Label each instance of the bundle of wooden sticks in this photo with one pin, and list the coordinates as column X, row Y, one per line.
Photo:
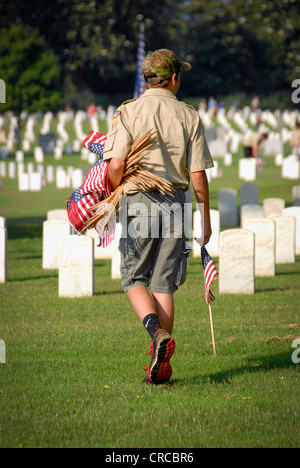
column 134, row 173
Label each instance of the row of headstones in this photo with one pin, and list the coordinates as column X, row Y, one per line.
column 290, row 167
column 272, row 240
column 254, row 251
column 73, row 256
column 228, row 206
column 243, row 253
column 35, row 178
column 287, row 240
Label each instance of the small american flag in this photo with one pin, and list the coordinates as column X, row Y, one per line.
column 210, row 272
column 78, row 205
column 95, row 188
column 95, row 142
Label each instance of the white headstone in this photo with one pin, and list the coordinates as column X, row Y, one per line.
column 30, row 168
column 19, row 156
column 295, row 211
column 11, row 170
column 84, row 154
column 3, row 255
column 58, row 152
column 23, row 182
column 285, row 229
column 92, row 158
column 264, row 230
column 76, row 146
column 227, row 205
column 215, row 170
column 2, row 352
column 105, row 252
column 236, row 262
column 61, row 179
column 3, row 171
column 40, row 168
column 290, row 168
column 115, row 265
column 77, row 178
column 296, row 195
column 2, row 222
column 54, row 232
column 235, row 142
column 50, row 174
column 38, row 154
column 20, row 169
column 250, row 212
column 273, row 206
column 59, row 214
column 278, row 159
column 247, row 169
column 35, row 182
column 26, row 145
column 213, row 244
column 76, row 267
column 249, row 194
column 218, row 148
column 228, row 159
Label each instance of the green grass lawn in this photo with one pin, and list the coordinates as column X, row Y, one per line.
column 74, row 367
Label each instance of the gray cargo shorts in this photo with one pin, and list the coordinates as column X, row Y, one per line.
column 153, row 242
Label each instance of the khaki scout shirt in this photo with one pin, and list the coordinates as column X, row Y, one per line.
column 251, row 140
column 295, row 137
column 180, row 146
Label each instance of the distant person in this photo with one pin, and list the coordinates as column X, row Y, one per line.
column 222, row 106
column 255, row 103
column 202, row 106
column 252, row 144
column 91, row 110
column 212, row 106
column 295, row 140
column 2, row 136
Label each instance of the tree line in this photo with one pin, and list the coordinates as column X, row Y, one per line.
column 58, row 51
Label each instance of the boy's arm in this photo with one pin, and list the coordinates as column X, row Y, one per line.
column 201, row 189
column 115, row 172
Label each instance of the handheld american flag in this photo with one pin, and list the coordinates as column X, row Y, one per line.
column 210, row 272
column 95, row 188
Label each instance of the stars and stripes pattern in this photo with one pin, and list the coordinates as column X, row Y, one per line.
column 210, row 272
column 78, row 208
column 139, row 79
column 95, row 188
column 95, row 142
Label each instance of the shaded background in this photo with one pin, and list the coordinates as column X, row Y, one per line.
column 55, row 53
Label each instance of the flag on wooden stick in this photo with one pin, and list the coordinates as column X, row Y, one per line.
column 210, row 272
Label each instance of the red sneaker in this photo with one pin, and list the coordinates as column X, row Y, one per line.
column 161, row 350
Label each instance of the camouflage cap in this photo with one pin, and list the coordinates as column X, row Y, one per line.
column 162, row 64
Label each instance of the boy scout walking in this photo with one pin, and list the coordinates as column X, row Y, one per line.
column 153, row 266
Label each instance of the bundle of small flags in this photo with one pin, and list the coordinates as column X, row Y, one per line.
column 95, row 188
column 210, row 272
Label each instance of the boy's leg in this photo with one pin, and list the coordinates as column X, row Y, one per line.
column 162, row 346
column 143, row 305
column 141, row 301
column 164, row 305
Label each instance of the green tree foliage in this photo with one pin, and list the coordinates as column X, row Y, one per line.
column 234, row 46
column 30, row 71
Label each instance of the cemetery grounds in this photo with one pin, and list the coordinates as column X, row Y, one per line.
column 74, row 367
